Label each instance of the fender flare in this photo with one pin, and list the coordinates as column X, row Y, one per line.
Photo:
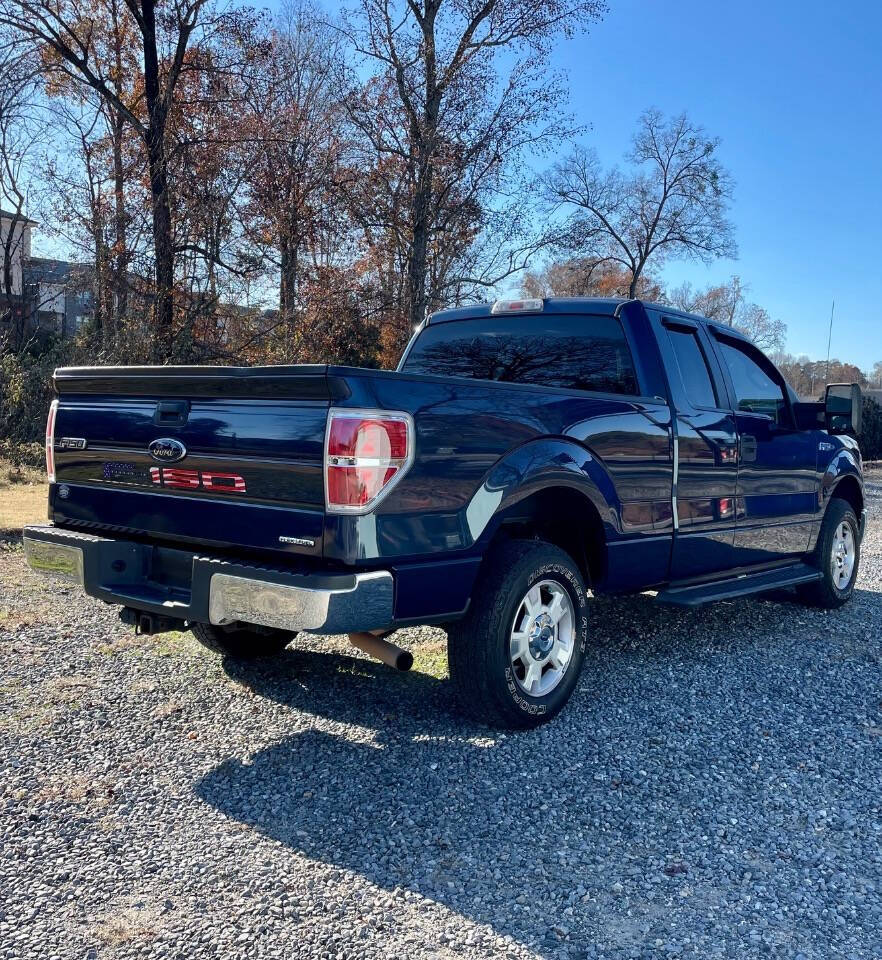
column 844, row 464
column 539, row 465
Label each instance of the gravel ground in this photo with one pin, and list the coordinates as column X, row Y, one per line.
column 713, row 790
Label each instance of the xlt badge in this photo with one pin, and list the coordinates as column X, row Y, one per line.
column 300, row 541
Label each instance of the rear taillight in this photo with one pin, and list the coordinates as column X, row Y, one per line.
column 366, row 453
column 50, row 441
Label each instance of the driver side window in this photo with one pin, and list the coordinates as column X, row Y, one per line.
column 755, row 390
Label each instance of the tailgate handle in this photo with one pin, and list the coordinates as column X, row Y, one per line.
column 171, row 413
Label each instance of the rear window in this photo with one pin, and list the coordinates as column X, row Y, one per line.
column 575, row 352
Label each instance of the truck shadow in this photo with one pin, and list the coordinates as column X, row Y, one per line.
column 534, row 834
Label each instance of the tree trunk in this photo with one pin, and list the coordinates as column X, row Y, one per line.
column 120, row 260
column 120, row 267
column 162, row 249
column 286, row 278
column 162, row 222
column 13, row 309
column 290, row 241
column 423, row 142
column 418, row 261
column 101, row 292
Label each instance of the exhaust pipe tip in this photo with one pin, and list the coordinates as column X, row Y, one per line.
column 379, row 648
column 404, row 660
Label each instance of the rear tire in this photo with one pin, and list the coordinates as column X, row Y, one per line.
column 241, row 643
column 515, row 657
column 837, row 555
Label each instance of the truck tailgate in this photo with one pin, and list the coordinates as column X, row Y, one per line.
column 220, row 457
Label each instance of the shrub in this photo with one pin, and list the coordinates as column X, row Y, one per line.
column 871, row 430
column 26, row 391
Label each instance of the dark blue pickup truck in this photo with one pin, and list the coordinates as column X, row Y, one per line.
column 523, row 456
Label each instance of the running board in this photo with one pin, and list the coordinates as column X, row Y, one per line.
column 697, row 594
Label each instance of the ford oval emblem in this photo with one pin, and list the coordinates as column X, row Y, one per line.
column 167, row 450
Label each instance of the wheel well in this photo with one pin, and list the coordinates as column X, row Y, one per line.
column 849, row 489
column 562, row 516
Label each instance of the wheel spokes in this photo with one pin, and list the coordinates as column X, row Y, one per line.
column 533, row 601
column 559, row 656
column 556, row 608
column 520, row 646
column 541, row 638
column 533, row 676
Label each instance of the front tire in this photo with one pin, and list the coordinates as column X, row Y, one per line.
column 515, row 657
column 240, row 642
column 837, row 555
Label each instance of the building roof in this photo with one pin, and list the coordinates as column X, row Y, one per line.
column 10, row 215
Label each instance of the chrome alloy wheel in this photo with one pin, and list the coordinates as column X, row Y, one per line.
column 542, row 638
column 842, row 555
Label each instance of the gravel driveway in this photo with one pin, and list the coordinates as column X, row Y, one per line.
column 713, row 790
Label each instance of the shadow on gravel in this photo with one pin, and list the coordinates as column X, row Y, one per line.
column 684, row 780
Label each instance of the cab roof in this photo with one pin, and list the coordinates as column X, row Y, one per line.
column 564, row 305
column 601, row 305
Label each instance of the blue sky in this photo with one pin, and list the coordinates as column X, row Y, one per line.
column 794, row 89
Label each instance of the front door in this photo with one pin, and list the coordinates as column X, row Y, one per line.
column 777, row 496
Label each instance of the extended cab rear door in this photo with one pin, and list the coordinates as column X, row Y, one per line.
column 705, row 442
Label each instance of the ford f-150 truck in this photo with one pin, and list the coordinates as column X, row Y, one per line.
column 524, row 456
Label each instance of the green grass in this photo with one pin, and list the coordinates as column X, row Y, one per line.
column 431, row 659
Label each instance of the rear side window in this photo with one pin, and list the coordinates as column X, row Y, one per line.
column 575, row 352
column 755, row 390
column 693, row 368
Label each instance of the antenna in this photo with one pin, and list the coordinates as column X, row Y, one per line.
column 829, row 338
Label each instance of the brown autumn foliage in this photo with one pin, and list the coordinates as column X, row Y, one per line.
column 243, row 187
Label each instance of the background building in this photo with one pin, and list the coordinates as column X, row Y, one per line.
column 42, row 295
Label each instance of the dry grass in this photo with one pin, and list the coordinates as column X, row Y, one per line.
column 23, row 496
column 124, row 925
column 431, row 658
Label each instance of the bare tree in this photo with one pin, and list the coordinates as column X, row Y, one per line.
column 587, row 277
column 292, row 128
column 65, row 29
column 728, row 303
column 447, row 127
column 20, row 135
column 673, row 204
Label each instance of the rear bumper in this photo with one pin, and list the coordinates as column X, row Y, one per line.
column 181, row 585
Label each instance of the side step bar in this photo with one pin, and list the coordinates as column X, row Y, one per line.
column 695, row 595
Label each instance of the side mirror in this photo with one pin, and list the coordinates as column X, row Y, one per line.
column 842, row 408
